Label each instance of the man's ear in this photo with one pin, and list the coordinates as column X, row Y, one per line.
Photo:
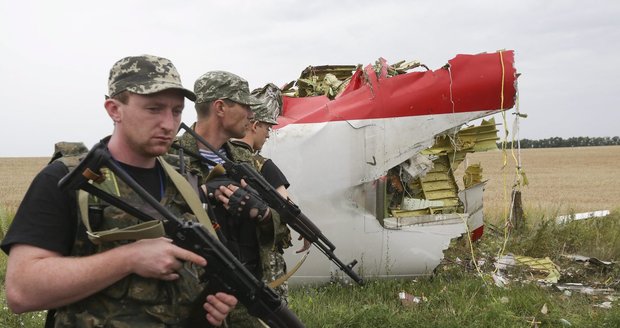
column 218, row 107
column 112, row 106
column 254, row 126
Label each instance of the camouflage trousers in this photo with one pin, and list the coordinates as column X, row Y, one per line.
column 276, row 269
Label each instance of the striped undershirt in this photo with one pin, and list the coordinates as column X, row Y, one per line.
column 212, row 156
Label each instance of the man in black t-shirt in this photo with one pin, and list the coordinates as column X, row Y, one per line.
column 257, row 133
column 51, row 264
column 265, row 117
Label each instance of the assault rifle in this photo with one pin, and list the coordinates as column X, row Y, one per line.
column 288, row 211
column 223, row 269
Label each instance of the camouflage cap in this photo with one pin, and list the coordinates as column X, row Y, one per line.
column 271, row 103
column 145, row 75
column 223, row 85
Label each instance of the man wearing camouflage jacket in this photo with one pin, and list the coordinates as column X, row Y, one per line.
column 122, row 283
column 223, row 112
column 248, row 147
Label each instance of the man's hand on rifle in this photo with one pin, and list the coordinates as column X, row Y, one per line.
column 242, row 201
column 218, row 306
column 306, row 245
column 159, row 258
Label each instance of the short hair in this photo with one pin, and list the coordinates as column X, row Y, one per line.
column 122, row 96
column 203, row 109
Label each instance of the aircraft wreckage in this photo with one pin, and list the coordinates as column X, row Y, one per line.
column 371, row 153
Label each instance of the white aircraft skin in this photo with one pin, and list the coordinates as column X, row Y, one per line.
column 333, row 183
column 334, row 167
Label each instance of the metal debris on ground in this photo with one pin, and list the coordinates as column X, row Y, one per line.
column 589, row 260
column 581, row 216
column 581, row 288
column 544, row 309
column 499, row 280
column 543, row 265
column 604, row 305
column 409, row 300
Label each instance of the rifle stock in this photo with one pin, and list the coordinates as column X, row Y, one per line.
column 288, row 211
column 223, row 269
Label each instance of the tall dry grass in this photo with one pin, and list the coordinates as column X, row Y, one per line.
column 16, row 173
column 561, row 180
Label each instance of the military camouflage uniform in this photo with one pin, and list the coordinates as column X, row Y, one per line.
column 270, row 105
column 224, row 85
column 134, row 301
column 267, row 234
column 275, row 267
column 145, row 75
column 267, row 111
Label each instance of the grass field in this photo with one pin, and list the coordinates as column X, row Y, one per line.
column 461, row 294
column 16, row 174
column 561, row 180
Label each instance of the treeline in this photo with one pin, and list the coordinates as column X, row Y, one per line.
column 556, row 142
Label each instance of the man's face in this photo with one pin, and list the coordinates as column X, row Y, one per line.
column 148, row 123
column 236, row 118
column 261, row 135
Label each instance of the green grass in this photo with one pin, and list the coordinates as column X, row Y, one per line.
column 457, row 295
column 8, row 318
column 454, row 299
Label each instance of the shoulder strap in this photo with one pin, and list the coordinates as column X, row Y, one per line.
column 70, row 154
column 289, row 274
column 149, row 229
column 189, row 195
column 144, row 230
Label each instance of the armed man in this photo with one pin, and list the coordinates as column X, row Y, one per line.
column 252, row 230
column 59, row 255
column 248, row 150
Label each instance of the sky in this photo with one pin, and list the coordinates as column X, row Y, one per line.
column 56, row 55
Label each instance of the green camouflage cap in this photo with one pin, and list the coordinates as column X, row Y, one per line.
column 271, row 103
column 145, row 75
column 223, row 85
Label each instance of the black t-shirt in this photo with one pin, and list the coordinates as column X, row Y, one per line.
column 47, row 216
column 151, row 179
column 273, row 175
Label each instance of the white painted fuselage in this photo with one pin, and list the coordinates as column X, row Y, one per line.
column 334, row 169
